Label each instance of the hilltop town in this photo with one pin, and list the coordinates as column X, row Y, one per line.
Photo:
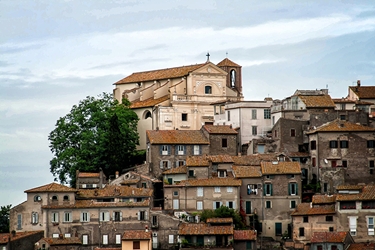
column 299, row 172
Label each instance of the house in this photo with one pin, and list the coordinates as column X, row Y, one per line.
column 164, row 229
column 281, row 193
column 245, row 239
column 90, row 180
column 362, row 246
column 342, row 152
column 331, row 240
column 20, row 240
column 363, row 93
column 223, row 139
column 71, row 243
column 179, row 97
column 137, row 239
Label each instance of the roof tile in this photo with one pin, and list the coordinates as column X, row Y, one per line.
column 178, row 170
column 211, row 182
column 306, row 209
column 341, row 126
column 219, row 220
column 323, row 199
column 176, row 137
column 364, row 92
column 368, row 193
column 63, row 241
column 111, row 191
column 281, row 167
column 227, row 63
column 136, row 235
column 204, row 229
column 220, row 129
column 148, row 102
column 317, row 101
column 331, row 237
column 94, row 204
column 52, row 187
column 253, row 160
column 246, row 171
column 245, row 235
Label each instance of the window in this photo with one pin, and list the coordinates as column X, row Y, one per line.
column 55, row 217
column 175, row 193
column 330, row 229
column 301, row 231
column 37, row 198
column 249, row 245
column 118, row 239
column 154, row 221
column 67, row 216
column 224, row 143
column 371, row 164
column 105, row 239
column 184, row 117
column 333, row 164
column 34, row 218
column 142, row 215
column 267, row 114
column 117, row 216
column 171, row 239
column 217, row 189
column 191, row 173
column 144, row 185
column 54, row 198
column 19, row 221
column 222, row 173
column 313, row 162
column 228, row 114
column 66, row 198
column 275, row 133
column 260, row 148
column 180, row 150
column 165, row 150
column 104, row 216
column 180, row 163
column 85, row 217
column 136, row 245
column 217, row 204
column 292, row 204
column 347, row 205
column 254, row 130
column 333, row 144
column 305, row 219
column 319, row 247
column 67, row 235
column 313, row 145
column 254, row 114
column 353, row 225
column 292, row 132
column 371, row 143
column 325, row 187
column 344, row 163
column 344, row 144
column 232, row 78
column 268, row 204
column 278, row 228
column 55, row 235
column 248, row 207
column 329, row 218
column 368, row 204
column 229, row 189
column 165, row 164
column 291, row 176
column 230, row 204
column 252, row 189
column 370, row 225
column 268, row 189
column 207, row 89
column 85, row 239
column 200, row 191
column 342, row 117
column 176, row 204
column 197, row 150
column 333, row 247
column 199, row 205
column 293, row 188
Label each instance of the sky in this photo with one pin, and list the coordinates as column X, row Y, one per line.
column 55, row 53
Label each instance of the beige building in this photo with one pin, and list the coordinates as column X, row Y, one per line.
column 363, row 93
column 180, row 97
column 137, row 239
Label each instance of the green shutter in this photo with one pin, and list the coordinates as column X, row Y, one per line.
column 248, row 207
column 296, row 189
column 290, row 188
column 271, row 189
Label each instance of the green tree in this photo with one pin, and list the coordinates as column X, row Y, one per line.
column 224, row 212
column 4, row 218
column 98, row 133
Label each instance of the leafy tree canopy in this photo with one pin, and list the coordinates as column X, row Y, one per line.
column 224, row 212
column 98, row 133
column 4, row 218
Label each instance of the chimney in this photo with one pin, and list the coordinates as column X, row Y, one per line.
column 358, row 83
column 117, row 173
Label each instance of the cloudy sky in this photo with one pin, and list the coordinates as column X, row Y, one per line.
column 55, row 53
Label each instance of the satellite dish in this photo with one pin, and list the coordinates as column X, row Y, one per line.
column 325, row 161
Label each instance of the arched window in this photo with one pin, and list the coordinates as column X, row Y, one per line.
column 66, row 198
column 54, row 198
column 37, row 198
column 147, row 114
column 232, row 78
column 208, row 89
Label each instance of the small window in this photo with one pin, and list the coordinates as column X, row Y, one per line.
column 371, row 164
column 228, row 114
column 85, row 239
column 34, row 218
column 333, row 144
column 175, row 193
column 293, row 188
column 331, row 229
column 85, row 216
column 180, row 150
column 165, row 150
column 344, row 164
column 200, row 191
column 55, row 217
column 217, row 204
column 278, row 228
column 305, row 219
column 171, row 239
column 301, row 231
column 104, row 216
column 176, row 204
column 313, row 162
column 184, row 117
column 54, row 198
column 268, row 204
column 254, row 130
column 230, row 204
column 117, row 216
column 224, row 143
column 136, row 245
column 67, row 235
column 313, row 145
column 292, row 204
column 197, row 150
column 67, row 216
column 268, row 189
column 267, row 113
column 342, row 117
column 344, row 144
column 208, row 89
column 217, row 189
column 254, row 114
column 229, row 189
column 66, row 198
column 329, row 218
column 154, row 221
column 292, row 132
column 118, row 239
column 371, row 143
column 347, row 205
column 199, row 205
column 142, row 215
column 37, row 198
column 191, row 173
column 252, row 189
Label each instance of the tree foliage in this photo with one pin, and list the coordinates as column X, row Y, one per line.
column 98, row 133
column 224, row 212
column 4, row 218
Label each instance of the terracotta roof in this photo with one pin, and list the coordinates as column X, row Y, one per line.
column 317, row 101
column 220, row 129
column 341, row 126
column 362, row 246
column 63, row 241
column 130, row 181
column 136, row 235
column 219, row 220
column 349, row 187
column 212, row 182
column 112, row 191
column 364, row 92
column 176, row 137
column 178, row 170
column 368, row 193
column 88, row 175
column 340, row 100
column 159, row 74
column 331, row 237
column 244, row 235
column 297, row 154
column 306, row 209
column 4, row 237
column 95, row 204
column 253, row 160
column 281, row 167
column 204, row 229
column 220, row 158
column 197, row 161
column 52, row 187
column 323, row 199
column 246, row 171
column 228, row 63
column 150, row 102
